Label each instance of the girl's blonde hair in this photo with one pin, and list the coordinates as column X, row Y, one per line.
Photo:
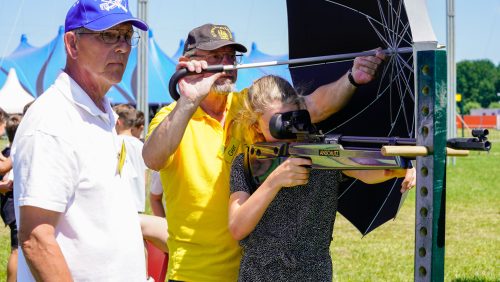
column 261, row 95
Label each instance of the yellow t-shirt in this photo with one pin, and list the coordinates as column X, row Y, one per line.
column 196, row 187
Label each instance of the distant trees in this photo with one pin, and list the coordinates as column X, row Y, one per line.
column 478, row 82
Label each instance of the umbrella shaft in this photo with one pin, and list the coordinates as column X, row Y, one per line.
column 172, row 86
column 319, row 59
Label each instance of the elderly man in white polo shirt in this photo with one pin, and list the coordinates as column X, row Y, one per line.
column 77, row 219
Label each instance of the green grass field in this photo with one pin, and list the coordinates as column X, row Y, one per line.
column 472, row 231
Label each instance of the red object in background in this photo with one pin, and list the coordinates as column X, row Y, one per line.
column 157, row 263
column 479, row 121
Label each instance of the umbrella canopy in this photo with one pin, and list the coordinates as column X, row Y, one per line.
column 384, row 107
column 13, row 97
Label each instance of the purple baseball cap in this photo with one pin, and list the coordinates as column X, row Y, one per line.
column 100, row 15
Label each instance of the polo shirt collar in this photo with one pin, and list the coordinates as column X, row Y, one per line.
column 73, row 92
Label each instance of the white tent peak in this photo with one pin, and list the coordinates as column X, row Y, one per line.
column 13, row 97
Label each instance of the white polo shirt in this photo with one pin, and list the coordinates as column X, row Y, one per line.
column 65, row 158
column 156, row 187
column 135, row 170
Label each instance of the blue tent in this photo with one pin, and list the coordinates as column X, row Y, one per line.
column 28, row 63
column 23, row 46
column 175, row 57
column 53, row 64
column 160, row 69
column 3, row 74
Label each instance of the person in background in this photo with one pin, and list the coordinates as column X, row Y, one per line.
column 75, row 212
column 27, row 106
column 5, row 162
column 138, row 128
column 191, row 143
column 7, row 201
column 3, row 121
column 156, row 195
column 135, row 169
column 285, row 226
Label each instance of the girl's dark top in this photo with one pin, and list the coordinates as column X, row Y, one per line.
column 292, row 240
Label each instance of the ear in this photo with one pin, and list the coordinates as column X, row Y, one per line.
column 70, row 43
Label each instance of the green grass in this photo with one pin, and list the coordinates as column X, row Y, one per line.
column 472, row 251
column 472, row 231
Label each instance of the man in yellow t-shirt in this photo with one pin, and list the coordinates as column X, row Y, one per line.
column 191, row 144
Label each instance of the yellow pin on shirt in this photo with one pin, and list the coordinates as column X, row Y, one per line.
column 121, row 158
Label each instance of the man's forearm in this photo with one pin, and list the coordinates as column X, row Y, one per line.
column 40, row 248
column 329, row 99
column 165, row 139
column 48, row 268
column 45, row 260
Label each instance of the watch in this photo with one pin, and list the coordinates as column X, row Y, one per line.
column 351, row 79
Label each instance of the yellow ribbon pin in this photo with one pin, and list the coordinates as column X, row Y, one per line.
column 121, row 158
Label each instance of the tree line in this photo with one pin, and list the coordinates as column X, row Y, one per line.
column 478, row 82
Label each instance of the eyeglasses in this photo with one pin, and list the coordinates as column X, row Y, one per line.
column 217, row 58
column 112, row 36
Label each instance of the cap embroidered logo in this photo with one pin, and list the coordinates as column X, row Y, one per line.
column 112, row 4
column 221, row 32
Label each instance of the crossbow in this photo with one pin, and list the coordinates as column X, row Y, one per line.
column 334, row 151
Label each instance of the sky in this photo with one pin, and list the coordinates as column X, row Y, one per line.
column 261, row 21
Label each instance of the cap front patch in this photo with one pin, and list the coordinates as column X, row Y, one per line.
column 221, row 32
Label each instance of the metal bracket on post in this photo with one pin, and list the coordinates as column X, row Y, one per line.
column 431, row 89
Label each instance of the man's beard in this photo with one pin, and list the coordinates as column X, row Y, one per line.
column 224, row 86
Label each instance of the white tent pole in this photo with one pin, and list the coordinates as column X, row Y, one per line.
column 452, row 75
column 142, row 65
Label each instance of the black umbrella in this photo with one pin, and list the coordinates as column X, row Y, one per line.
column 369, row 207
column 384, row 107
